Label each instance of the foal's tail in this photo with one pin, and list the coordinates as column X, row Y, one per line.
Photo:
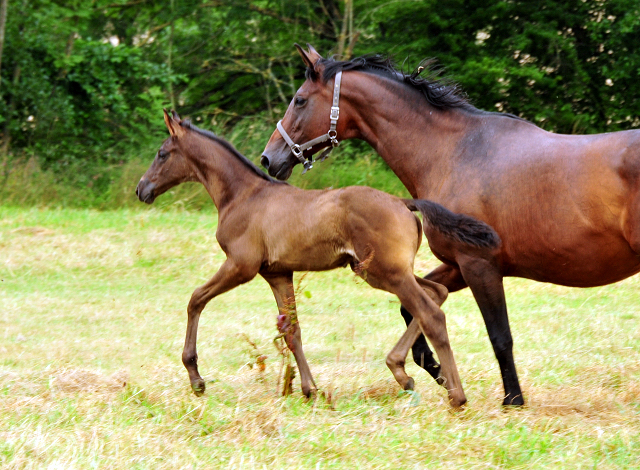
column 459, row 227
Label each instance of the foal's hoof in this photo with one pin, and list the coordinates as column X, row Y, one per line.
column 515, row 401
column 198, row 387
column 410, row 384
column 311, row 393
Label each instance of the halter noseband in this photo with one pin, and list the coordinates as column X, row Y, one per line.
column 332, row 135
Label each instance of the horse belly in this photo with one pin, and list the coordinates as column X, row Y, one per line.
column 588, row 265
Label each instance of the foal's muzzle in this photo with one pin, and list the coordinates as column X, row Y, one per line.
column 146, row 191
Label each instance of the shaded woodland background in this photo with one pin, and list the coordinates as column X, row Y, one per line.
column 83, row 82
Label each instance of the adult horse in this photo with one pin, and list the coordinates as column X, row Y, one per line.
column 567, row 207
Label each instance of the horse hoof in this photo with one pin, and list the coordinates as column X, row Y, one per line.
column 458, row 403
column 515, row 401
column 311, row 393
column 198, row 387
column 410, row 384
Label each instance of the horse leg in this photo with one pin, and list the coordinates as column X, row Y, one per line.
column 288, row 324
column 432, row 322
column 398, row 355
column 228, row 276
column 451, row 278
column 485, row 281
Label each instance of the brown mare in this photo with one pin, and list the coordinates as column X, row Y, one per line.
column 270, row 228
column 567, row 207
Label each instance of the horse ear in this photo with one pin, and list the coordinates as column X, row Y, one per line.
column 307, row 58
column 313, row 54
column 173, row 124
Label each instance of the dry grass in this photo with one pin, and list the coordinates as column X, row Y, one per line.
column 92, row 320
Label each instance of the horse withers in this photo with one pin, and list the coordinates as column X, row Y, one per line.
column 270, row 228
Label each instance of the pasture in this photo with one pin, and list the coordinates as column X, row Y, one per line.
column 92, row 321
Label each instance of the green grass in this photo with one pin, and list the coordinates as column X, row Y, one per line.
column 92, row 318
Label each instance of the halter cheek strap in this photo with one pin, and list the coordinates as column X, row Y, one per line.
column 331, row 135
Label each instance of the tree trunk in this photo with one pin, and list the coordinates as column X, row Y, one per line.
column 3, row 21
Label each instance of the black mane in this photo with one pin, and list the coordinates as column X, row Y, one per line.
column 210, row 135
column 440, row 92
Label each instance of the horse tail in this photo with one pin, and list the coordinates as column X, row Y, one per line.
column 459, row 227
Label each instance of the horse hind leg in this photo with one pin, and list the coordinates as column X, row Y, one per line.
column 398, row 355
column 444, row 277
column 431, row 321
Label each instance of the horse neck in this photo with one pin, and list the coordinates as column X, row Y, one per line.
column 223, row 175
column 416, row 139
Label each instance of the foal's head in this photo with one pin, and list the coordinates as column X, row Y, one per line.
column 170, row 167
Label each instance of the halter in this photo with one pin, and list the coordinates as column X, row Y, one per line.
column 332, row 135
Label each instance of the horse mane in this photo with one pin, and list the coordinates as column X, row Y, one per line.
column 186, row 123
column 441, row 92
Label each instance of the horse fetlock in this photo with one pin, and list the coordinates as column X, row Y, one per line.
column 190, row 360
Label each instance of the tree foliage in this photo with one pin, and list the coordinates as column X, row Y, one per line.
column 83, row 81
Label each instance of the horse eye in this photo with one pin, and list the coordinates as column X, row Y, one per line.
column 299, row 102
column 163, row 154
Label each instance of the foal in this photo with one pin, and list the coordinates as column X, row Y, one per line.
column 270, row 228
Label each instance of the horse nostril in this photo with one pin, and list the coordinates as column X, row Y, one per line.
column 264, row 161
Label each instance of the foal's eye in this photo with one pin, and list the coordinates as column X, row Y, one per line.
column 299, row 102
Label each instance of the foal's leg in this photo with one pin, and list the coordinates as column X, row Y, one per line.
column 397, row 357
column 228, row 276
column 452, row 279
column 433, row 324
column 282, row 287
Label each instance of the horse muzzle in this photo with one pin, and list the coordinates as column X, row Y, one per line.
column 277, row 167
column 146, row 191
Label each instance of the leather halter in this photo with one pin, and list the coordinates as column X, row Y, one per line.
column 331, row 135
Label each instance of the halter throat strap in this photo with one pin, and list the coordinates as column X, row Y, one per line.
column 332, row 136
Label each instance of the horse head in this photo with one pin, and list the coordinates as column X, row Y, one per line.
column 170, row 166
column 306, row 120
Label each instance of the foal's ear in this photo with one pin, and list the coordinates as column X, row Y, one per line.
column 309, row 58
column 173, row 124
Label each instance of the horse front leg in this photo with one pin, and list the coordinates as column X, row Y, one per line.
column 485, row 281
column 289, row 326
column 228, row 276
column 451, row 278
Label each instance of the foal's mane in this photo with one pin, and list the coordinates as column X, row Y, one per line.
column 186, row 123
column 440, row 92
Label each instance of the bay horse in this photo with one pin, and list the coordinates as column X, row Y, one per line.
column 270, row 228
column 567, row 207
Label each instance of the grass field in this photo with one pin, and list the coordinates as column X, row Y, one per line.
column 92, row 318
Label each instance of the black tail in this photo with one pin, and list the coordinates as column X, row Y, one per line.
column 459, row 227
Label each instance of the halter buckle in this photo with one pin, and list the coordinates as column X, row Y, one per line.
column 297, row 151
column 335, row 113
